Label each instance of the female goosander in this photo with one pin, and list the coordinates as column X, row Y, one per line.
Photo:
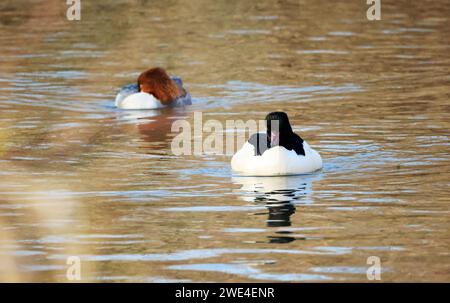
column 154, row 90
column 278, row 152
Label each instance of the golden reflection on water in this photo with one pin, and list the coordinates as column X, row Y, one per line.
column 79, row 177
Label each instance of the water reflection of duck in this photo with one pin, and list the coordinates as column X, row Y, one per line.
column 156, row 129
column 279, row 152
column 279, row 195
column 155, row 126
column 154, row 90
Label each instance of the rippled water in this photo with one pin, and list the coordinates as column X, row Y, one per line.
column 81, row 178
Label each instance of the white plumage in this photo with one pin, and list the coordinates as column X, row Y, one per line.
column 137, row 101
column 276, row 161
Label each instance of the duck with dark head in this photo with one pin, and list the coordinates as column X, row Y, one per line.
column 277, row 152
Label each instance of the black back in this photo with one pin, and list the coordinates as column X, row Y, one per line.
column 288, row 139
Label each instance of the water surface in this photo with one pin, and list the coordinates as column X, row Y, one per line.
column 81, row 178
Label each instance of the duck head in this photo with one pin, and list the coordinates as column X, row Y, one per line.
column 157, row 82
column 279, row 130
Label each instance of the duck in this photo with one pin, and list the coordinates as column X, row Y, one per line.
column 278, row 152
column 155, row 89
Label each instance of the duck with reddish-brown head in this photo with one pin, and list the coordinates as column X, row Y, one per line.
column 154, row 89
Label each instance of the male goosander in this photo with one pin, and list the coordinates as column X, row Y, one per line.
column 278, row 152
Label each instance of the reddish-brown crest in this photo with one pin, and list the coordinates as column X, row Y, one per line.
column 155, row 81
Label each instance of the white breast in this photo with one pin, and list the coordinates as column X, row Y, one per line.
column 276, row 161
column 138, row 101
